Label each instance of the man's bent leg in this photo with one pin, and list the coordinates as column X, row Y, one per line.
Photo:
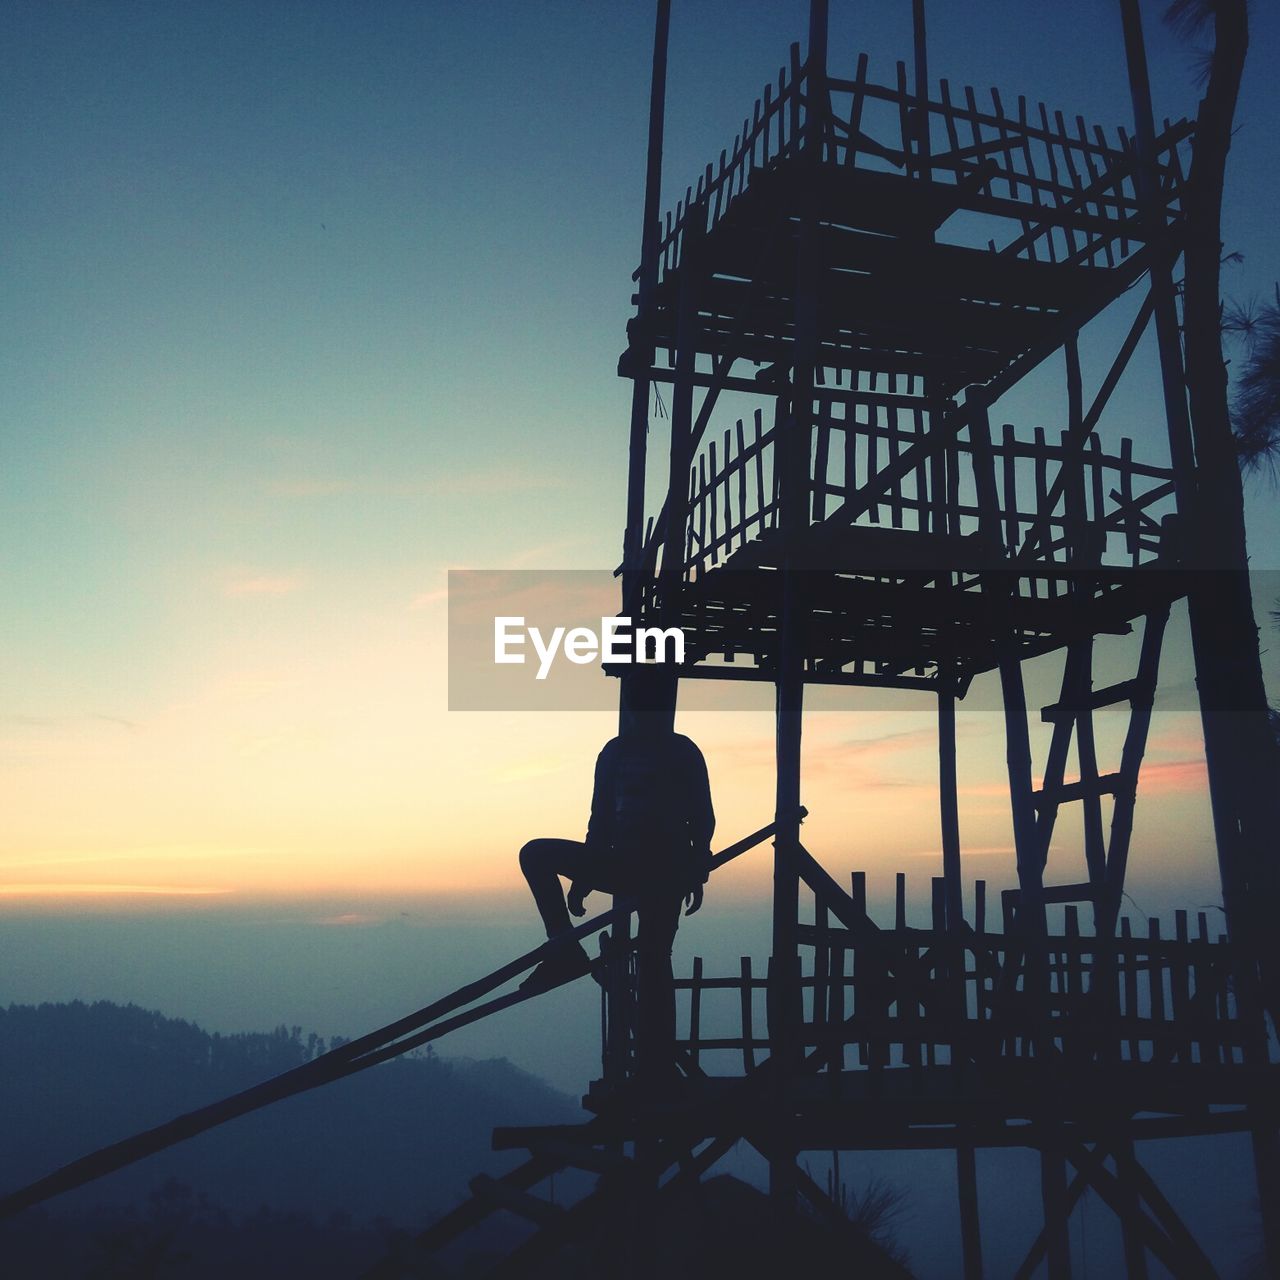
column 543, row 862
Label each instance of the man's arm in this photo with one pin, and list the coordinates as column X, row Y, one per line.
column 599, row 825
column 702, row 816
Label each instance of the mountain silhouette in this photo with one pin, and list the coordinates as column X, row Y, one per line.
column 398, row 1142
column 322, row 1184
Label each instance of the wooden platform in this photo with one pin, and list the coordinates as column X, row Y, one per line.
column 937, row 1108
column 953, row 314
column 863, row 624
column 904, row 285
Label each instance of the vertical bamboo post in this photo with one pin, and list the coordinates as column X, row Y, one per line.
column 792, row 454
column 746, row 1005
column 966, row 1162
column 641, row 359
column 1135, row 1252
column 1166, row 315
column 695, row 1012
column 1017, row 736
column 970, row 1224
column 821, row 973
column 1129, row 986
column 1141, row 703
column 1057, row 1208
column 642, row 352
column 921, row 86
column 949, row 804
column 1021, row 798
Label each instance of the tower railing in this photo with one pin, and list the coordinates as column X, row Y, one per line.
column 1086, row 505
column 1069, row 187
column 920, row 998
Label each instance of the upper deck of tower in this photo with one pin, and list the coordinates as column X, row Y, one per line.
column 930, row 246
column 958, row 235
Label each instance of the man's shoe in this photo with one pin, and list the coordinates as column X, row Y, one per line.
column 557, row 969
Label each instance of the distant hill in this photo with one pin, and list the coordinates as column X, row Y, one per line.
column 398, row 1141
column 323, row 1184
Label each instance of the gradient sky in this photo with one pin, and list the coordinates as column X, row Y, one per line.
column 307, row 303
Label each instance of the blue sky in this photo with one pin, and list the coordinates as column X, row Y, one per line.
column 308, row 303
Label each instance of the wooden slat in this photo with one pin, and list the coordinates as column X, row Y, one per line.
column 1009, row 492
column 821, row 459
column 821, row 967
column 1105, row 784
column 695, row 1010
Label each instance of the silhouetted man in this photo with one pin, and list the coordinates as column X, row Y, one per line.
column 649, row 839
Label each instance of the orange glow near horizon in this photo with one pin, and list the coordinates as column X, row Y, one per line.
column 109, row 890
column 341, row 772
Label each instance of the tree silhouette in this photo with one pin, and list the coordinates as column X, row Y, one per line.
column 1233, row 699
column 1256, row 400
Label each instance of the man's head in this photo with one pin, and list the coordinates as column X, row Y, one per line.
column 649, row 698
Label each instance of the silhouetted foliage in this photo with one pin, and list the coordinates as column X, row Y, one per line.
column 181, row 1234
column 1255, row 410
column 875, row 1211
column 398, row 1141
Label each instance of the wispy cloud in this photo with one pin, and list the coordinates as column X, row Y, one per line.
column 53, row 890
column 482, row 482
column 863, row 762
column 887, row 743
column 524, row 770
column 284, row 740
column 1182, row 737
column 140, row 861
column 969, row 851
column 496, row 480
column 260, row 584
column 428, row 598
column 66, row 721
column 1164, row 777
column 1159, row 777
column 540, row 551
column 520, row 565
column 235, row 689
column 308, row 487
column 992, row 790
